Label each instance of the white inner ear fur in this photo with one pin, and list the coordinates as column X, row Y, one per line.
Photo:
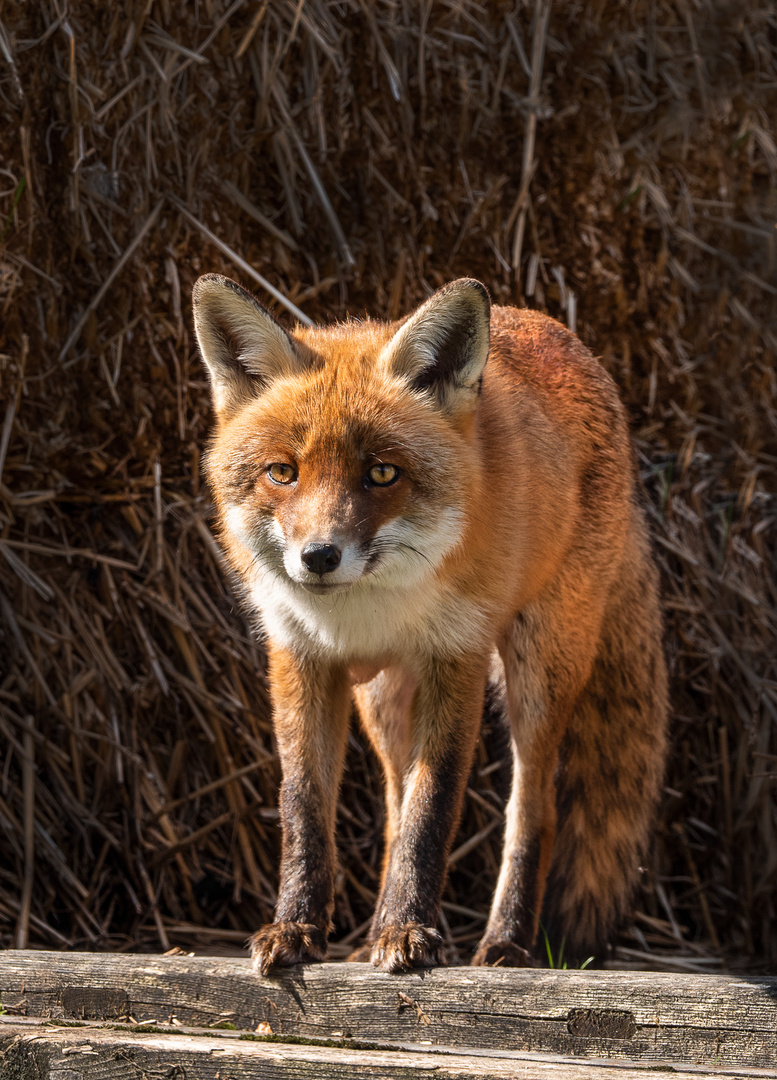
column 460, row 311
column 237, row 338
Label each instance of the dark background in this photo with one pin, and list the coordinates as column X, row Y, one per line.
column 614, row 167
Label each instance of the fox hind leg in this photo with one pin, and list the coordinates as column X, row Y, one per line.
column 586, row 690
column 546, row 659
column 610, row 773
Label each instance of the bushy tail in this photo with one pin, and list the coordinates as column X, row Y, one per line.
column 610, row 773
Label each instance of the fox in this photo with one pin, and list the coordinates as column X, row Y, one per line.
column 416, row 511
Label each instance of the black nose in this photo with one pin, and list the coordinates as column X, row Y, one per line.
column 321, row 558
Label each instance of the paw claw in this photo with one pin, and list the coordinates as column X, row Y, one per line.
column 284, row 944
column 402, row 948
column 502, row 954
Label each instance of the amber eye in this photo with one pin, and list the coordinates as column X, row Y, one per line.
column 383, row 475
column 281, row 473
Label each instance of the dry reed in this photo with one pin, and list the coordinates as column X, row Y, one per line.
column 612, row 164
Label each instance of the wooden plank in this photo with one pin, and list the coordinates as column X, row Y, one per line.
column 84, row 1053
column 707, row 1020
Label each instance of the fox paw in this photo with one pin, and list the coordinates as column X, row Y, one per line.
column 401, row 948
column 502, row 954
column 284, row 944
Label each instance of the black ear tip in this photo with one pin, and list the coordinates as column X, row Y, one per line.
column 206, row 281
column 210, row 284
column 470, row 286
column 207, row 285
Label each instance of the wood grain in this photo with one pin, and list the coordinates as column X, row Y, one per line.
column 44, row 1052
column 709, row 1020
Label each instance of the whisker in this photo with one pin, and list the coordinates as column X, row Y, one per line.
column 409, row 547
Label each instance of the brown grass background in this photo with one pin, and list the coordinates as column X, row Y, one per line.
column 611, row 163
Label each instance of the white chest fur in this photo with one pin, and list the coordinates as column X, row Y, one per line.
column 371, row 620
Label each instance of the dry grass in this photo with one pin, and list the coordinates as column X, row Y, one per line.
column 613, row 164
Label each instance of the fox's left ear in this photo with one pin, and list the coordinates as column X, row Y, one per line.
column 443, row 346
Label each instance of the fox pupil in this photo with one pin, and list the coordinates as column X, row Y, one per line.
column 281, row 473
column 383, row 475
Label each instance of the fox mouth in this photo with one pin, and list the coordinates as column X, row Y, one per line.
column 322, row 588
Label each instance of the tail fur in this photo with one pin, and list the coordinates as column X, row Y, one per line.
column 610, row 771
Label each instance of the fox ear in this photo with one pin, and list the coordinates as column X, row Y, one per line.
column 243, row 347
column 443, row 346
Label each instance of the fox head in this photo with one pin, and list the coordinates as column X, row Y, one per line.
column 343, row 455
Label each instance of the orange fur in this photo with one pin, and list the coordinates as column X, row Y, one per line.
column 510, row 536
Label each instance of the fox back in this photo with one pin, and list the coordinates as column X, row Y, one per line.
column 412, row 509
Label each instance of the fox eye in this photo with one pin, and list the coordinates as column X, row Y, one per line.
column 281, row 473
column 383, row 475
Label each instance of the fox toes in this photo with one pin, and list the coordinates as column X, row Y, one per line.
column 284, row 944
column 402, row 948
column 502, row 954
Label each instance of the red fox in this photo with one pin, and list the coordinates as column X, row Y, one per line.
column 412, row 509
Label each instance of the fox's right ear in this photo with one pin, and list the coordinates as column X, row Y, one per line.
column 243, row 347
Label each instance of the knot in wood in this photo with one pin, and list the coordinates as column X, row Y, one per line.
column 601, row 1023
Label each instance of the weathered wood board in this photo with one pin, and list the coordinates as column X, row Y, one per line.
column 708, row 1021
column 46, row 1052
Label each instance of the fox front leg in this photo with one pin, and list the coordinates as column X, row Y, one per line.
column 444, row 724
column 311, row 705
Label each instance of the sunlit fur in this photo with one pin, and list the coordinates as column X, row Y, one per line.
column 513, row 530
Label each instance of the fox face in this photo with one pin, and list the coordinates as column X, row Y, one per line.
column 328, row 505
column 343, row 459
